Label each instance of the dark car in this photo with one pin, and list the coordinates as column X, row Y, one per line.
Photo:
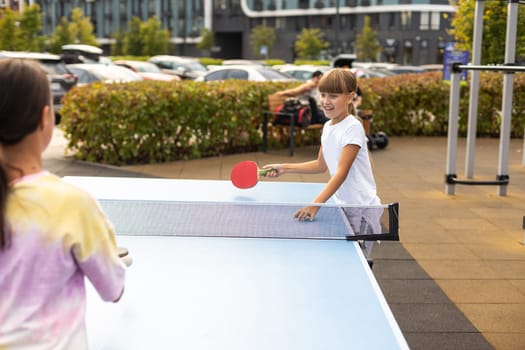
column 60, row 78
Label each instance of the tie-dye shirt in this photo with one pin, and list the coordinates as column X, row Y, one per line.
column 57, row 235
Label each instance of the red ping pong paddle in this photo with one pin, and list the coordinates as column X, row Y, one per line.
column 246, row 174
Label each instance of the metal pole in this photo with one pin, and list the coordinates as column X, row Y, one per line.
column 508, row 80
column 474, row 90
column 452, row 143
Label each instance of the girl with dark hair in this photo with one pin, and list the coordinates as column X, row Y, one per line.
column 52, row 234
column 343, row 152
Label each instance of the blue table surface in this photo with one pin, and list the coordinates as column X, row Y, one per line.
column 237, row 293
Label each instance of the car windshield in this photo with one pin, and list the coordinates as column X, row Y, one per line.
column 271, row 74
column 196, row 66
column 147, row 68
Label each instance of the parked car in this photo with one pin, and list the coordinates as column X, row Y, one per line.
column 245, row 72
column 242, row 61
column 147, row 70
column 184, row 67
column 302, row 72
column 344, row 60
column 432, row 67
column 59, row 76
column 406, row 69
column 81, row 53
column 371, row 73
column 90, row 72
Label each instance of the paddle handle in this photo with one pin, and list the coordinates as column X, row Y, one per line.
column 265, row 171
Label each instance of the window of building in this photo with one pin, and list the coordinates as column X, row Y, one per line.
column 429, row 21
column 280, row 23
column 374, row 21
column 424, row 23
column 406, row 19
column 435, row 21
column 408, row 52
column 391, row 20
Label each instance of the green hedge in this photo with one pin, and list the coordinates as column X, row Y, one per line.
column 150, row 122
column 418, row 104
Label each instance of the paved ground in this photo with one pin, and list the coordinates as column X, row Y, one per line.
column 457, row 278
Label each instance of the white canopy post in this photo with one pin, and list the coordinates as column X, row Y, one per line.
column 474, row 90
column 508, row 81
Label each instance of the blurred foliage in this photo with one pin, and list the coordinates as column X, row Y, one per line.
column 494, row 29
column 418, row 104
column 142, row 38
column 313, row 62
column 77, row 31
column 310, row 43
column 207, row 40
column 262, row 36
column 274, row 62
column 150, row 122
column 207, row 61
column 130, row 58
column 367, row 46
column 20, row 31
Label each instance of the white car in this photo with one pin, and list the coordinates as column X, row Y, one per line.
column 184, row 67
column 147, row 70
column 91, row 72
column 245, row 72
column 302, row 72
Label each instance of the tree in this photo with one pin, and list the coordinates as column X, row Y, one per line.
column 117, row 47
column 155, row 40
column 310, row 43
column 31, row 27
column 78, row 31
column 61, row 36
column 494, row 29
column 366, row 45
column 207, row 40
column 145, row 39
column 9, row 30
column 262, row 39
column 83, row 27
column 132, row 39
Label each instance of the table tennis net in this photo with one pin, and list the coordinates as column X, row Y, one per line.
column 217, row 219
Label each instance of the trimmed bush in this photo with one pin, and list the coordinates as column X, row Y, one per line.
column 150, row 121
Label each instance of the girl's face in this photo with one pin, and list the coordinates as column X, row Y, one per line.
column 335, row 106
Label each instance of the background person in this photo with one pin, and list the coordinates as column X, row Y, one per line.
column 309, row 92
column 52, row 234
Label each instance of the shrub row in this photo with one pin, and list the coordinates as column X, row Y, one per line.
column 418, row 104
column 149, row 122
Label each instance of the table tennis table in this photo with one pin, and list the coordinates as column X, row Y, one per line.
column 226, row 291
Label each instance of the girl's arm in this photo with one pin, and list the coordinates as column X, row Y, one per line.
column 310, row 167
column 348, row 155
column 299, row 90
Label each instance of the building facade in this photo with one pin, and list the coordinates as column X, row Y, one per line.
column 409, row 31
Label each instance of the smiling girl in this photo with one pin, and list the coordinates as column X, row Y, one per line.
column 343, row 150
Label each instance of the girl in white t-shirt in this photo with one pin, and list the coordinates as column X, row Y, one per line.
column 343, row 150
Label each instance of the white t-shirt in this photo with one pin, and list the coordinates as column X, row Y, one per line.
column 359, row 187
